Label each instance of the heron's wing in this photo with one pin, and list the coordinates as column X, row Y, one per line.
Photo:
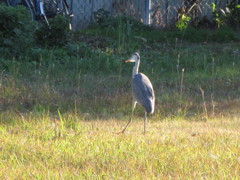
column 143, row 92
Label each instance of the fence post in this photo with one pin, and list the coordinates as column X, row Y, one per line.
column 91, row 18
column 167, row 11
column 147, row 12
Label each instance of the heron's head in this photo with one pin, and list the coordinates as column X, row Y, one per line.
column 134, row 58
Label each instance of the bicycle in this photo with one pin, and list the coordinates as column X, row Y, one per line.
column 63, row 9
column 38, row 9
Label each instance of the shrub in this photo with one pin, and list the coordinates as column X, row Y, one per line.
column 228, row 16
column 232, row 14
column 16, row 34
column 56, row 34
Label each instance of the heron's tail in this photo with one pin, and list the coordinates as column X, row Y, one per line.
column 150, row 107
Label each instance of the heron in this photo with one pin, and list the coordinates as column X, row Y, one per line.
column 142, row 90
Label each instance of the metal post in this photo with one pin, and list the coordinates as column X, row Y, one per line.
column 147, row 12
column 71, row 6
column 92, row 10
column 167, row 11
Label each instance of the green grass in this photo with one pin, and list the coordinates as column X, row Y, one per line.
column 99, row 83
column 191, row 34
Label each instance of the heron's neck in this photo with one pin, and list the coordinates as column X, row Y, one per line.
column 135, row 68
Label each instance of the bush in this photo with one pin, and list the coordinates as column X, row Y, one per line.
column 56, row 34
column 16, row 34
column 228, row 16
column 232, row 14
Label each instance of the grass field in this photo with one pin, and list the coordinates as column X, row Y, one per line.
column 61, row 109
column 38, row 146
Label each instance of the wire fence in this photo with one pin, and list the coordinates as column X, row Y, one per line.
column 160, row 13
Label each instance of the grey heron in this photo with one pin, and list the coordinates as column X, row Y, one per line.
column 142, row 90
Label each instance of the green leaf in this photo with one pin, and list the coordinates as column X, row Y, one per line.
column 213, row 7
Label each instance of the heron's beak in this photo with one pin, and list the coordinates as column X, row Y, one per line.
column 129, row 60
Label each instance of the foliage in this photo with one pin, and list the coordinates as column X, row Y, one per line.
column 101, row 16
column 22, row 37
column 216, row 17
column 232, row 14
column 16, row 35
column 183, row 22
column 56, row 34
column 229, row 16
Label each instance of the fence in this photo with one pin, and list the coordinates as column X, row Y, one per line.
column 160, row 13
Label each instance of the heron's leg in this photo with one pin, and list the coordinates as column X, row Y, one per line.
column 130, row 120
column 145, row 121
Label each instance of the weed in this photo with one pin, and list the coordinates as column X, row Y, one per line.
column 182, row 24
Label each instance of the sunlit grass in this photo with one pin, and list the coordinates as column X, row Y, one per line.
column 41, row 146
